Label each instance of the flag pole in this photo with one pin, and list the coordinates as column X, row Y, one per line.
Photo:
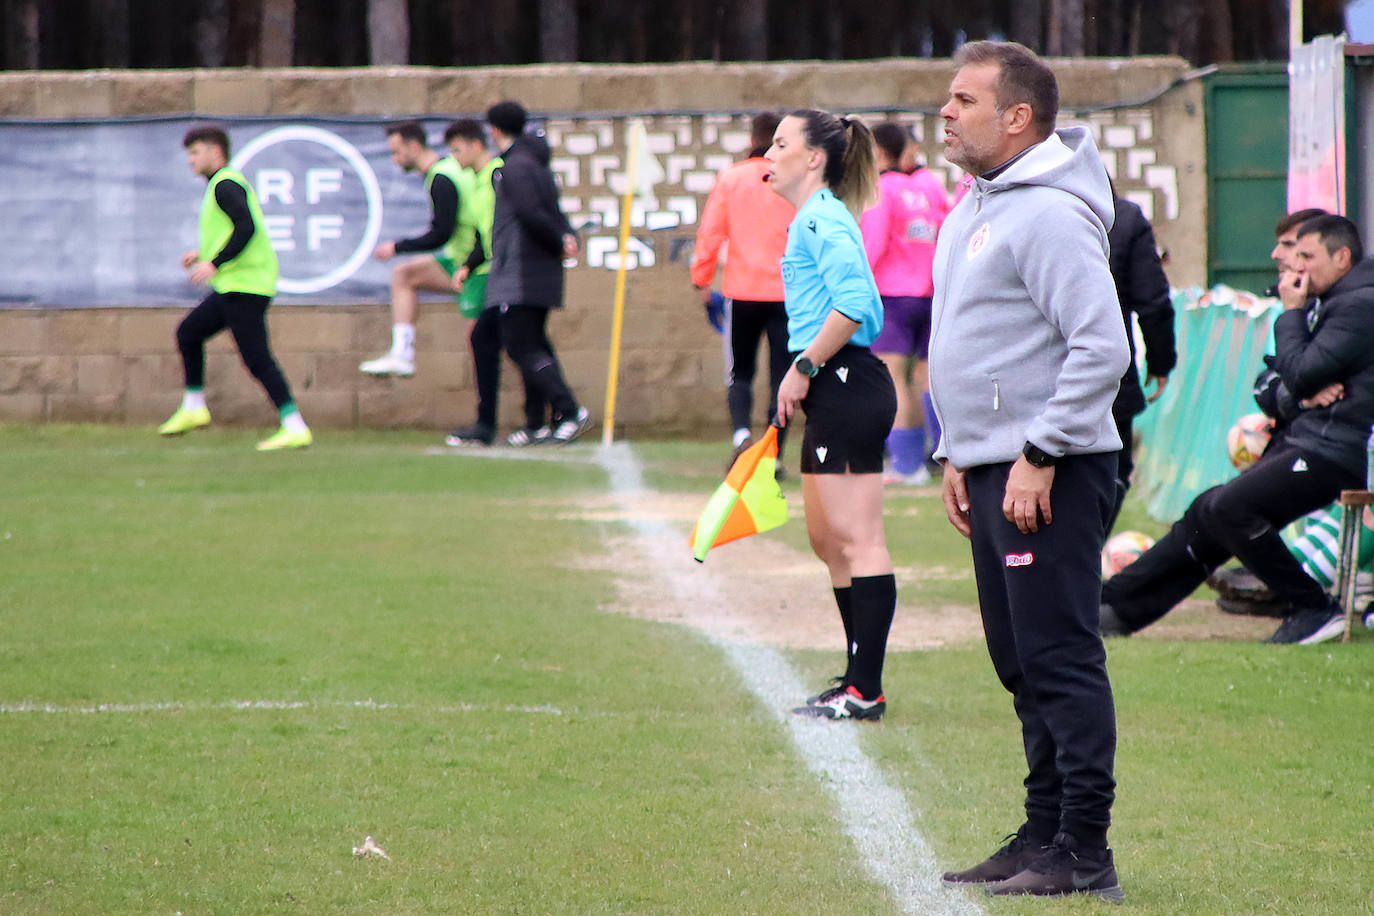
column 618, row 316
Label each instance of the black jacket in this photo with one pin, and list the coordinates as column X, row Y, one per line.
column 1332, row 340
column 527, row 233
column 1142, row 288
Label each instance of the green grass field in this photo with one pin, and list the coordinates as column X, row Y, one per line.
column 219, row 670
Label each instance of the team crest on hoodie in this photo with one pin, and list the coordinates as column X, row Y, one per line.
column 979, row 241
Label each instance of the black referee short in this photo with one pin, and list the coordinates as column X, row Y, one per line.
column 849, row 412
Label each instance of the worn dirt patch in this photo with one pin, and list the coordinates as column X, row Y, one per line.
column 780, row 596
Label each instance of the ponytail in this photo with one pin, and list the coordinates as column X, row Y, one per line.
column 851, row 170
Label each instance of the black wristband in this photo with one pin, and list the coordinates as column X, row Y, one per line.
column 1038, row 457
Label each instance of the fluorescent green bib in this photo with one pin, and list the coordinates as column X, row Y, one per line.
column 483, row 199
column 255, row 268
column 459, row 245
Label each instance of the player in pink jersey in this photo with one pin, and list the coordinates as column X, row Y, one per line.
column 899, row 236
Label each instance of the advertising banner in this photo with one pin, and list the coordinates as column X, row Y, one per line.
column 98, row 214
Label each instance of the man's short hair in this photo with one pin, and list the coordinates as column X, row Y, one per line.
column 465, row 129
column 409, row 132
column 214, row 136
column 763, row 127
column 1295, row 219
column 892, row 139
column 1022, row 77
column 508, row 117
column 1335, row 232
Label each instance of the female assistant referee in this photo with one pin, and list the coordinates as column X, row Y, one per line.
column 825, row 167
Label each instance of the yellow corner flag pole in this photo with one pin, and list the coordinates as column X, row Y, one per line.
column 637, row 140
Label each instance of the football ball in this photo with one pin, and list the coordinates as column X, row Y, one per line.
column 1247, row 439
column 1121, row 550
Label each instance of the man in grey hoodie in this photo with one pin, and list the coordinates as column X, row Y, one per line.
column 1027, row 349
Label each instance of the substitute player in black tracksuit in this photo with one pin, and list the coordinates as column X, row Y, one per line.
column 1322, row 338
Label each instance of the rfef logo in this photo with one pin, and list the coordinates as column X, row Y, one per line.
column 1019, row 559
column 306, row 179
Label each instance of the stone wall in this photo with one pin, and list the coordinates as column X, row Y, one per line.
column 120, row 365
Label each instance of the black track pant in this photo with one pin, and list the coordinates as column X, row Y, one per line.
column 524, row 338
column 1242, row 519
column 1038, row 594
column 749, row 323
column 245, row 315
column 485, row 340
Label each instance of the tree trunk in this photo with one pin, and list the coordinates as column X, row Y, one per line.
column 1028, row 23
column 751, row 30
column 557, row 30
column 277, row 36
column 212, row 33
column 1065, row 32
column 112, row 32
column 388, row 32
column 21, row 35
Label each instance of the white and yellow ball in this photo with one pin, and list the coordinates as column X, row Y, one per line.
column 1248, row 438
column 1121, row 550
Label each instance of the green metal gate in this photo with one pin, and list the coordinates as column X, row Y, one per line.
column 1247, row 171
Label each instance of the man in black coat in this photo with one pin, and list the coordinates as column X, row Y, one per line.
column 1322, row 337
column 530, row 237
column 1143, row 290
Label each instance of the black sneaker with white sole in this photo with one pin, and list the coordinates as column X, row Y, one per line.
column 1307, row 628
column 845, row 703
column 1060, row 870
column 1015, row 855
column 526, row 436
column 567, row 429
column 470, row 435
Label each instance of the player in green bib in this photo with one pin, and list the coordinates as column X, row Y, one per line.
column 467, row 140
column 236, row 259
column 450, row 237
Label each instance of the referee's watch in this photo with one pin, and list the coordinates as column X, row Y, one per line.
column 806, row 367
column 1037, row 457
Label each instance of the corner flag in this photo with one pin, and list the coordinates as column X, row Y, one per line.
column 748, row 502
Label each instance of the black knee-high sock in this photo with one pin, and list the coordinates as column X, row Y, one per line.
column 872, row 604
column 846, row 618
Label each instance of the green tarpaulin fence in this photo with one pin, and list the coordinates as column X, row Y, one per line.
column 1222, row 335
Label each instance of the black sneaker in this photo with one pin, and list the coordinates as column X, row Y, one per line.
column 473, row 434
column 1059, row 870
column 1251, row 607
column 837, row 685
column 525, row 436
column 1239, row 582
column 1307, row 628
column 1011, row 859
column 846, row 703
column 567, row 429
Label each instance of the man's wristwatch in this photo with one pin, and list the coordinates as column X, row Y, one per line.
column 806, row 367
column 1038, row 457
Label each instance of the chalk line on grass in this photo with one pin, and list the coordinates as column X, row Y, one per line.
column 249, row 705
column 874, row 814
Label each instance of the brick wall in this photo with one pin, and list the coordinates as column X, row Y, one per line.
column 120, row 365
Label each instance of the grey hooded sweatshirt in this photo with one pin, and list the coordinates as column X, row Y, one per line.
column 1027, row 342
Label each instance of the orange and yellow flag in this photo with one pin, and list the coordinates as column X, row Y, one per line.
column 749, row 501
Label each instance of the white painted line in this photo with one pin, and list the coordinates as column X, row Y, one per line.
column 249, row 705
column 875, row 815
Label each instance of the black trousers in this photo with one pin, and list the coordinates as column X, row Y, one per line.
column 245, row 315
column 1038, row 594
column 485, row 341
column 1242, row 519
column 523, row 336
column 749, row 323
column 1125, row 462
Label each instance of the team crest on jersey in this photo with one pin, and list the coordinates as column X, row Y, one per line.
column 1020, row 559
column 979, row 241
column 789, row 272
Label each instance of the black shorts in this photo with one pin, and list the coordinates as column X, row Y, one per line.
column 849, row 412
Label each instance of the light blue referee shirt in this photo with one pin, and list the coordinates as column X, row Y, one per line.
column 825, row 268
